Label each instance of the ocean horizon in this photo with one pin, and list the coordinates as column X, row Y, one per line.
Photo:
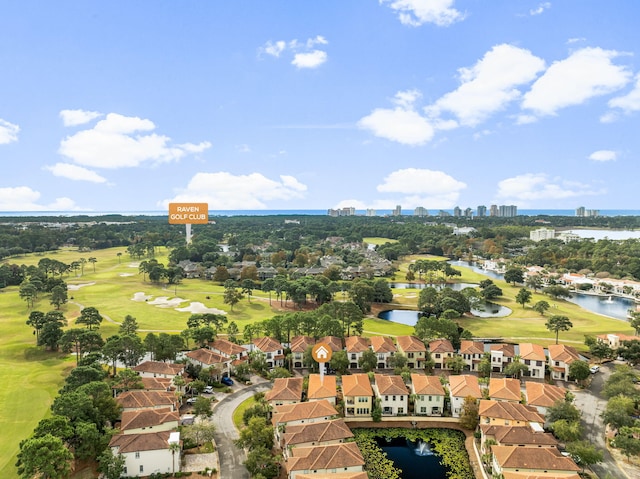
column 301, row 212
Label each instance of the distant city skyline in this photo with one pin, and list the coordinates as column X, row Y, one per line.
column 128, row 106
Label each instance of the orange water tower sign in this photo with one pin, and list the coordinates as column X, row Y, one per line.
column 188, row 213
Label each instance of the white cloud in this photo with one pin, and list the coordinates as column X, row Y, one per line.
column 8, row 132
column 78, row 117
column 489, row 85
column 304, row 54
column 420, row 187
column 404, row 126
column 225, row 191
column 538, row 186
column 629, row 102
column 309, row 60
column 603, row 155
column 75, row 172
column 23, row 198
column 540, row 8
column 419, row 12
column 244, row 148
column 117, row 142
column 586, row 73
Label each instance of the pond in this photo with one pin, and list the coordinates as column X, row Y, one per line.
column 477, row 269
column 612, row 306
column 410, row 318
column 416, row 460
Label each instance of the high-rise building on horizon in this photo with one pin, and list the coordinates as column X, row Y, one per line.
column 397, row 211
column 457, row 212
column 493, row 210
column 508, row 211
column 371, row 212
column 420, row 211
column 481, row 211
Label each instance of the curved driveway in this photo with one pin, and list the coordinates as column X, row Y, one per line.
column 230, row 457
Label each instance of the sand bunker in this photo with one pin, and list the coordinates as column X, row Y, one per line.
column 126, row 274
column 141, row 297
column 200, row 308
column 134, row 265
column 76, row 287
column 165, row 302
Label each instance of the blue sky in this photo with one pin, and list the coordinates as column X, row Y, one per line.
column 129, row 106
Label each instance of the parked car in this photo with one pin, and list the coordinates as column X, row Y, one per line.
column 594, row 369
column 227, row 381
column 208, row 390
column 192, row 400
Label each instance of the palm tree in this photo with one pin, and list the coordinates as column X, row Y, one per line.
column 93, row 261
column 174, row 447
column 118, row 255
column 557, row 323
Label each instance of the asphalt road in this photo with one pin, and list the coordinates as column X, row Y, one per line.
column 591, row 403
column 230, row 457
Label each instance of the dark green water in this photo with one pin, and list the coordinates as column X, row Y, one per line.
column 415, row 460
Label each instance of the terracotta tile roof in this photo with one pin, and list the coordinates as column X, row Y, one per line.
column 428, row 385
column 390, row 384
column 471, row 347
column 508, row 350
column 561, row 352
column 227, row 348
column 505, row 388
column 532, row 352
column 148, row 418
column 317, row 432
column 156, row 384
column 509, row 410
column 533, row 475
column 356, row 385
column 538, row 458
column 299, row 344
column 382, row 344
column 302, row 411
column 410, row 344
column 518, row 435
column 285, row 389
column 151, row 441
column 138, row 399
column 441, row 346
column 159, row 367
column 206, row 356
column 267, row 344
column 333, row 341
column 356, row 344
column 464, row 385
column 337, row 475
column 542, row 394
column 326, row 389
column 334, row 456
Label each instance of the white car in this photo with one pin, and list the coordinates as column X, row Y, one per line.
column 208, row 390
column 594, row 369
column 192, row 400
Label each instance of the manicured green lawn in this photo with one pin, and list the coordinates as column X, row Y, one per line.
column 237, row 414
column 378, row 241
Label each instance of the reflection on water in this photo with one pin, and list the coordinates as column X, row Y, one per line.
column 410, row 318
column 612, row 306
column 406, row 456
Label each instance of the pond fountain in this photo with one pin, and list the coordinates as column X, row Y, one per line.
column 423, row 449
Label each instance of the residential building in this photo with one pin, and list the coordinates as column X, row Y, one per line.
column 146, row 454
column 323, row 433
column 142, row 421
column 324, row 460
column 139, row 399
column 357, row 394
column 615, row 340
column 158, row 369
column 285, row 391
column 441, row 350
column 228, row 349
column 273, row 351
column 393, row 394
column 397, row 211
column 460, row 387
column 539, row 461
column 299, row 345
column 543, row 395
column 508, row 414
column 471, row 352
column 413, row 349
column 523, row 436
column 508, row 211
column 322, row 388
column 501, row 355
column 302, row 413
column 384, row 348
column 560, row 358
column 355, row 346
column 370, row 212
column 334, row 342
column 505, row 389
column 533, row 356
column 493, row 210
column 206, row 358
column 481, row 211
column 541, row 234
column 420, row 211
column 457, row 212
column 429, row 395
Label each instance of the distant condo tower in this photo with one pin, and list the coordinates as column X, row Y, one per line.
column 582, row 212
column 397, row 211
column 371, row 212
column 420, row 211
column 347, row 211
column 482, row 211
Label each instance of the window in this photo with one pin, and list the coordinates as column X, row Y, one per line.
column 353, row 356
column 423, row 410
column 137, row 455
column 400, row 410
column 430, row 398
column 141, row 468
column 394, row 398
column 386, row 398
column 437, row 355
column 410, row 355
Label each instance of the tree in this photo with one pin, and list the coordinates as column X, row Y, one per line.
column 93, row 261
column 562, row 409
column 566, row 430
column 81, row 375
column 584, row 453
column 627, row 441
column 232, row 296
column 36, row 321
column 340, row 361
column 579, row 370
column 47, row 457
column 634, row 321
column 523, row 297
column 618, row 412
column 469, row 413
column 368, row 361
column 630, row 351
column 80, row 341
column 129, row 325
column 261, row 461
column 248, row 286
column 90, row 317
column 556, row 291
column 514, row 275
column 200, row 432
column 491, row 292
column 456, row 363
column 28, row 292
column 58, row 296
column 57, row 426
column 257, row 433
column 541, row 307
column 111, row 465
column 232, row 332
column 202, row 407
column 557, row 323
column 516, row 369
column 533, row 281
column 50, row 335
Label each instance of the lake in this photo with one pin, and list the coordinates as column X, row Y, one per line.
column 416, row 460
column 454, row 286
